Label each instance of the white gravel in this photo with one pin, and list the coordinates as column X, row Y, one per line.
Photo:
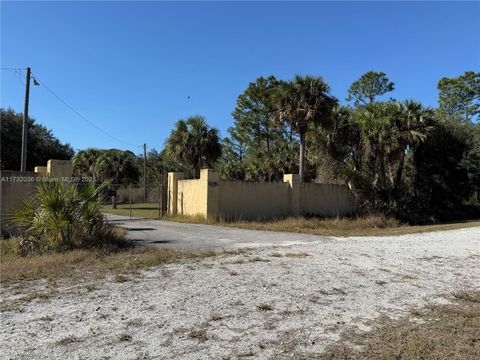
column 209, row 308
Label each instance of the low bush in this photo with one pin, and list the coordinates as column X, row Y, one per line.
column 61, row 217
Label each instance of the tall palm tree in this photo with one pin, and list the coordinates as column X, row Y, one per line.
column 302, row 102
column 413, row 123
column 193, row 142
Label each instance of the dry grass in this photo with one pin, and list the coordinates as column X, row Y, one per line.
column 67, row 341
column 373, row 225
column 362, row 226
column 199, row 334
column 264, row 307
column 444, row 332
column 124, row 337
column 86, row 264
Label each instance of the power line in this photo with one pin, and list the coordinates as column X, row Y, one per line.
column 19, row 75
column 11, row 69
column 17, row 72
column 81, row 116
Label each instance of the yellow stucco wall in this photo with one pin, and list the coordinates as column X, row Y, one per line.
column 16, row 186
column 192, row 197
column 59, row 168
column 172, row 192
column 41, row 170
column 253, row 200
column 325, row 200
column 210, row 196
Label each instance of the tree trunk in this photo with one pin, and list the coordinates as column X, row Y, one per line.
column 197, row 171
column 301, row 162
column 398, row 177
column 114, row 201
column 267, row 139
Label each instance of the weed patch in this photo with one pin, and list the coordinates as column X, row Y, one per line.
column 85, row 264
column 264, row 307
column 200, row 335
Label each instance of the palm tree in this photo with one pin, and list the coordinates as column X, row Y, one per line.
column 116, row 166
column 193, row 142
column 413, row 123
column 84, row 162
column 60, row 216
column 389, row 131
column 303, row 102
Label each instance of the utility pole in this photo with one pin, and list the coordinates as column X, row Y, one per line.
column 23, row 165
column 144, row 173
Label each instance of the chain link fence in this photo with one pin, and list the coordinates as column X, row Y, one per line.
column 137, row 200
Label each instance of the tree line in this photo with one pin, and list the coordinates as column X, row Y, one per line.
column 400, row 158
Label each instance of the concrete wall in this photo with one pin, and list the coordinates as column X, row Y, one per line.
column 59, row 168
column 16, row 186
column 192, row 197
column 253, row 200
column 41, row 170
column 326, row 200
column 198, row 197
column 209, row 196
column 172, row 192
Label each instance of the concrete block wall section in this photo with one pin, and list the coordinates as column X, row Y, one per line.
column 59, row 168
column 16, row 186
column 211, row 197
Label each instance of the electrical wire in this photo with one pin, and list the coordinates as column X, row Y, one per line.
column 17, row 72
column 19, row 76
column 35, row 77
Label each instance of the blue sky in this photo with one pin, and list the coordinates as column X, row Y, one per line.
column 130, row 67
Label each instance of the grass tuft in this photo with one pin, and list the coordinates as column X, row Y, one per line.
column 46, row 318
column 124, row 337
column 200, row 335
column 298, row 254
column 264, row 307
column 67, row 341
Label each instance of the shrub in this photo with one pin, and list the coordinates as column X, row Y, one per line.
column 62, row 216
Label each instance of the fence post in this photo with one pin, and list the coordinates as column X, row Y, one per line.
column 164, row 193
column 160, row 201
column 130, row 212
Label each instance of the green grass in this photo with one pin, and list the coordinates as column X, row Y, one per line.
column 372, row 225
column 144, row 210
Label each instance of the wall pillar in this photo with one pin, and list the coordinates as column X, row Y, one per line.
column 212, row 183
column 59, row 168
column 172, row 193
column 294, row 199
column 41, row 170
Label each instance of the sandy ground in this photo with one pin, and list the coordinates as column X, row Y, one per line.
column 218, row 307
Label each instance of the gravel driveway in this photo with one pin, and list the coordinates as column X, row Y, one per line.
column 268, row 302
